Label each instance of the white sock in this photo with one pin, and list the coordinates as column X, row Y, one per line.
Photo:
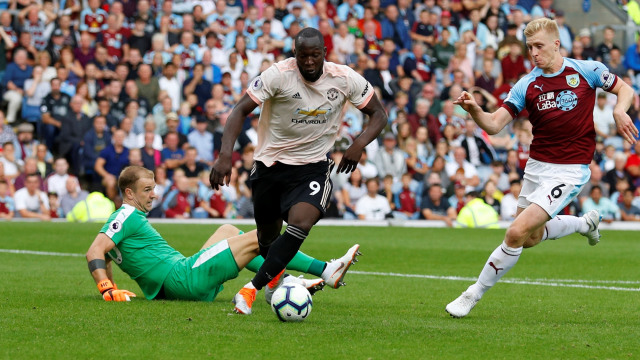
column 563, row 225
column 250, row 285
column 501, row 260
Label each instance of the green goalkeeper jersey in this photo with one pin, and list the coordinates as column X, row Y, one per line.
column 140, row 250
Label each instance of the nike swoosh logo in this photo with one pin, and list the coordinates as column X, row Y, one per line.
column 338, row 269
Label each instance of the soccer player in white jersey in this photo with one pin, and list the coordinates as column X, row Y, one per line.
column 301, row 99
column 559, row 95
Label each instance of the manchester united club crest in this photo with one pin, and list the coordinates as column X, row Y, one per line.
column 573, row 80
column 332, row 94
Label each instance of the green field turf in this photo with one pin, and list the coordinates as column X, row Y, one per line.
column 50, row 307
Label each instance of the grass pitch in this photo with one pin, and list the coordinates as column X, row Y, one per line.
column 564, row 299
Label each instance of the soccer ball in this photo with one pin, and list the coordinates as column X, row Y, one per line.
column 291, row 302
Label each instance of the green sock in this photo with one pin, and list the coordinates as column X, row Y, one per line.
column 255, row 264
column 300, row 262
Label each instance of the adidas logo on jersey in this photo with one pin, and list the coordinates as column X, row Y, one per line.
column 296, row 96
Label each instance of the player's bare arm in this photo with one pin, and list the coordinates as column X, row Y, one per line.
column 377, row 122
column 624, row 123
column 492, row 123
column 221, row 170
column 101, row 270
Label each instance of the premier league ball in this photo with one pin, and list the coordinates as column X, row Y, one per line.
column 291, row 302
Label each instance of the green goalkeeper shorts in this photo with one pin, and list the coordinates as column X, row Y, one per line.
column 200, row 277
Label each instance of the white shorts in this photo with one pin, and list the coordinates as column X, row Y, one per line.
column 552, row 186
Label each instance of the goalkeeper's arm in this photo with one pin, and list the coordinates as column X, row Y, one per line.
column 101, row 271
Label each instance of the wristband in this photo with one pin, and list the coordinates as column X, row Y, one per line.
column 104, row 285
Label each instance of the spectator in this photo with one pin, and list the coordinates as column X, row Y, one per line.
column 607, row 208
column 380, row 77
column 110, row 162
column 191, row 167
column 603, row 50
column 30, row 167
column 12, row 165
column 56, row 182
column 468, row 176
column 202, row 141
column 390, row 160
column 491, row 195
column 73, row 196
column 148, row 86
column 211, row 202
column 477, row 214
column 513, row 63
column 615, row 64
column 618, row 172
column 149, row 127
column 628, row 212
column 172, row 125
column 479, row 29
column 172, row 155
column 30, row 201
column 43, row 163
column 351, row 192
column 605, row 125
column 479, row 152
column 179, row 201
column 632, row 167
column 406, row 201
column 372, row 206
column 416, row 164
column 434, row 205
column 94, row 141
column 139, row 37
column 197, row 85
column 509, row 203
column 13, row 81
column 418, row 64
column 150, row 156
column 89, row 105
column 35, row 89
column 93, row 19
column 457, row 200
column 72, row 130
column 7, row 205
column 350, row 8
column 169, row 83
column 393, row 27
column 25, row 145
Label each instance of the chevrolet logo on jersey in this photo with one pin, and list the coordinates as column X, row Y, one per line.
column 313, row 113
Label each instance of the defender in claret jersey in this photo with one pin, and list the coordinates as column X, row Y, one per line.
column 559, row 95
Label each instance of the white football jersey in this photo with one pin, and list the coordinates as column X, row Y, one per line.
column 299, row 121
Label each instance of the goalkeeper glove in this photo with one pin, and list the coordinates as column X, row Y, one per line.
column 111, row 293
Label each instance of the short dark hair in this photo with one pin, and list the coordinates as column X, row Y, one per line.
column 309, row 33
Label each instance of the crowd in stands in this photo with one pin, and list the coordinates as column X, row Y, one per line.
column 91, row 86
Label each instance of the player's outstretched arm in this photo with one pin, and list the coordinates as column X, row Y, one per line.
column 623, row 121
column 377, row 122
column 102, row 273
column 221, row 170
column 492, row 123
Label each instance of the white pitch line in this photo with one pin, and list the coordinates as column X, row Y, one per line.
column 543, row 282
column 31, row 252
column 577, row 283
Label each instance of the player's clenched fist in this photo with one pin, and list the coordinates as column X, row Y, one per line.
column 111, row 293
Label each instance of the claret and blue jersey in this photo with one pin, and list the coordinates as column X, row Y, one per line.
column 560, row 108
